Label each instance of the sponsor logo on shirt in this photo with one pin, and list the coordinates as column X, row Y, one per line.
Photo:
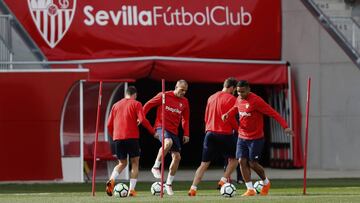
column 241, row 113
column 173, row 110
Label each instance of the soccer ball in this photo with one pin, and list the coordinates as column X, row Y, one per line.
column 156, row 188
column 258, row 185
column 121, row 190
column 228, row 190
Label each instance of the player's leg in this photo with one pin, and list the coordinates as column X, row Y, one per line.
column 207, row 155
column 121, row 153
column 261, row 172
column 118, row 169
column 256, row 148
column 168, row 142
column 156, row 167
column 245, row 169
column 229, row 152
column 239, row 178
column 200, row 171
column 176, row 157
column 230, row 168
column 242, row 154
column 258, row 169
column 134, row 154
column 115, row 173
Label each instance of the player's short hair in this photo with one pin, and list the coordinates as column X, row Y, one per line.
column 181, row 82
column 230, row 82
column 131, row 90
column 243, row 83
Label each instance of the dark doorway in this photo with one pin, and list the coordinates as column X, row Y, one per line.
column 197, row 95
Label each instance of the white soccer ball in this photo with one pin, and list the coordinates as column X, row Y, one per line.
column 156, row 188
column 258, row 185
column 121, row 190
column 228, row 190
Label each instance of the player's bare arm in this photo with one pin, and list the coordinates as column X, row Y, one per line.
column 157, row 136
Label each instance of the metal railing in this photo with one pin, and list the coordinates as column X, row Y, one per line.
column 6, row 49
column 336, row 17
column 350, row 29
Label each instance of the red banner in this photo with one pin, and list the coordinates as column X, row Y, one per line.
column 93, row 29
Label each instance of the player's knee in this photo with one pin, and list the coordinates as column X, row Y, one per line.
column 176, row 156
column 168, row 143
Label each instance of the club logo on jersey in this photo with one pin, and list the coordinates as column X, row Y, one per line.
column 180, row 104
column 52, row 18
column 247, row 105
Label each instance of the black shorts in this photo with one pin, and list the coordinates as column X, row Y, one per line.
column 176, row 146
column 250, row 149
column 218, row 144
column 125, row 147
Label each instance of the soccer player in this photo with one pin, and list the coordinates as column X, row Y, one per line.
column 251, row 109
column 219, row 137
column 176, row 111
column 123, row 122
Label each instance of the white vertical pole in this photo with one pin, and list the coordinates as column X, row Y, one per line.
column 70, row 92
column 81, row 109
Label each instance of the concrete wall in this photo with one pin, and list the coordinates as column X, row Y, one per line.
column 334, row 126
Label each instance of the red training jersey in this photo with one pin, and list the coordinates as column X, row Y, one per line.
column 176, row 110
column 123, row 120
column 218, row 104
column 251, row 112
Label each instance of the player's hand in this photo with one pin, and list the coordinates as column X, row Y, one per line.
column 157, row 136
column 224, row 117
column 289, row 132
column 186, row 139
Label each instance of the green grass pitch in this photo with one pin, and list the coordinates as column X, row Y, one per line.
column 319, row 190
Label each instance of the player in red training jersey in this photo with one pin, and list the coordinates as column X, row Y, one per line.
column 123, row 122
column 219, row 136
column 251, row 109
column 176, row 111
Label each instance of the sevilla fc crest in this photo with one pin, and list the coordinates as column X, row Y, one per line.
column 52, row 18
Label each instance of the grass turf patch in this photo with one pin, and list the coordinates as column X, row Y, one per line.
column 318, row 190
